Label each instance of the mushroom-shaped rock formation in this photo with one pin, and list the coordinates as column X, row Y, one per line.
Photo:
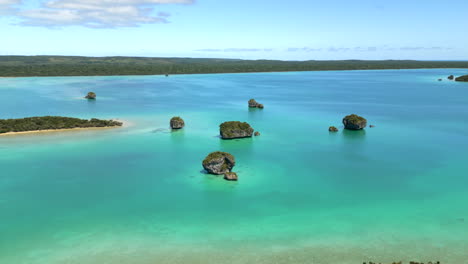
column 91, row 95
column 177, row 123
column 255, row 104
column 463, row 78
column 354, row 122
column 451, row 77
column 257, row 133
column 219, row 163
column 230, row 176
column 333, row 129
column 235, row 129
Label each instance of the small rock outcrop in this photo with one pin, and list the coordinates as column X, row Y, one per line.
column 354, row 122
column 91, row 96
column 177, row 123
column 255, row 104
column 440, row 80
column 333, row 129
column 257, row 133
column 230, row 176
column 219, row 163
column 451, row 77
column 235, row 129
column 463, row 78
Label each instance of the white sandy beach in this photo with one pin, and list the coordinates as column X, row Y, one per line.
column 125, row 124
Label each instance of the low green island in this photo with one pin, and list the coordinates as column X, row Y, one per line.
column 463, row 78
column 30, row 124
column 24, row 66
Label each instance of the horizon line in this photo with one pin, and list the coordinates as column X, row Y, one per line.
column 218, row 58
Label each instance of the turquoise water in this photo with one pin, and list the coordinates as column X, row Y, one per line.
column 137, row 195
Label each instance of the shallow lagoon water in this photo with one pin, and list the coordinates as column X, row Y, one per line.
column 138, row 194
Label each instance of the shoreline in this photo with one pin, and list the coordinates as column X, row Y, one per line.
column 246, row 72
column 125, row 124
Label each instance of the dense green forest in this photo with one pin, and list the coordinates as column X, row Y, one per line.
column 51, row 122
column 18, row 66
column 463, row 78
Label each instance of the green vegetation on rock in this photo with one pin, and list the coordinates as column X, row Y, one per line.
column 177, row 123
column 354, row 122
column 333, row 129
column 219, row 163
column 51, row 122
column 18, row 66
column 235, row 129
column 254, row 104
column 91, row 95
column 463, row 78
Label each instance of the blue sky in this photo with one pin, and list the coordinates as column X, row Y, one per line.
column 255, row 29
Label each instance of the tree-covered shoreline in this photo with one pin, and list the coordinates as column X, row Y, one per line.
column 52, row 123
column 463, row 78
column 28, row 66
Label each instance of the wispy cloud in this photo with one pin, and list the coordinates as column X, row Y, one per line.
column 8, row 6
column 96, row 14
column 384, row 48
column 365, row 49
column 333, row 49
column 235, row 50
column 424, row 48
column 303, row 49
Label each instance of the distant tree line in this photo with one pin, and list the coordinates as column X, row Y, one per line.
column 22, row 66
column 51, row 122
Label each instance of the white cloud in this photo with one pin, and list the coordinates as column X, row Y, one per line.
column 235, row 50
column 303, row 49
column 365, row 49
column 96, row 14
column 9, row 2
column 8, row 6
